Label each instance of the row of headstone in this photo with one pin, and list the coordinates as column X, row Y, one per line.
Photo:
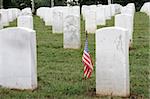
column 8, row 15
column 64, row 20
column 112, row 55
column 55, row 16
column 98, row 14
column 24, row 17
column 146, row 8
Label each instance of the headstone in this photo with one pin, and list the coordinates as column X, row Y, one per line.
column 112, row 62
column 18, row 58
column 113, row 9
column 131, row 6
column 75, row 10
column 1, row 25
column 48, row 16
column 146, row 8
column 4, row 17
column 16, row 12
column 26, row 11
column 25, row 21
column 118, row 8
column 107, row 11
column 100, row 16
column 41, row 12
column 130, row 12
column 125, row 21
column 84, row 9
column 90, row 22
column 10, row 15
column 57, row 26
column 72, row 32
column 126, row 10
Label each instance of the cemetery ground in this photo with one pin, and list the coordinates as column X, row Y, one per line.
column 60, row 70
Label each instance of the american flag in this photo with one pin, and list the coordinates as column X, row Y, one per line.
column 87, row 61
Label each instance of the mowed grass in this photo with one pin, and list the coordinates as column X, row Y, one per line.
column 60, row 70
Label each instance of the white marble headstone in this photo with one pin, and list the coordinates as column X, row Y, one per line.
column 146, row 8
column 48, row 16
column 125, row 21
column 18, row 58
column 90, row 22
column 26, row 11
column 10, row 15
column 131, row 6
column 84, row 9
column 1, row 25
column 107, row 11
column 57, row 26
column 100, row 16
column 72, row 32
column 25, row 21
column 126, row 10
column 4, row 17
column 112, row 65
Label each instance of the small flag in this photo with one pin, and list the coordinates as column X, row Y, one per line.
column 87, row 61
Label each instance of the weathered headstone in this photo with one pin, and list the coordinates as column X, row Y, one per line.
column 118, row 8
column 72, row 32
column 18, row 58
column 125, row 21
column 112, row 65
column 25, row 21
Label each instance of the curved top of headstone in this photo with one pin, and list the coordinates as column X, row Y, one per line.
column 110, row 28
column 18, row 28
column 26, row 11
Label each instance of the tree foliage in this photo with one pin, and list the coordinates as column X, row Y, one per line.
column 16, row 3
column 47, row 3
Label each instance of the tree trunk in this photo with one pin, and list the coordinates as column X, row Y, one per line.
column 1, row 4
column 52, row 3
column 109, row 2
column 32, row 3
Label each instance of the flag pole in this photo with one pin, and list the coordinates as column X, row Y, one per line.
column 86, row 34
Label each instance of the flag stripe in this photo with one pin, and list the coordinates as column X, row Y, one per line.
column 86, row 58
column 87, row 64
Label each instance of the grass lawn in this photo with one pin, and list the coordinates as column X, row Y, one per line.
column 60, row 70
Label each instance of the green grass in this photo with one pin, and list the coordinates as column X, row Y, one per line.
column 60, row 70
